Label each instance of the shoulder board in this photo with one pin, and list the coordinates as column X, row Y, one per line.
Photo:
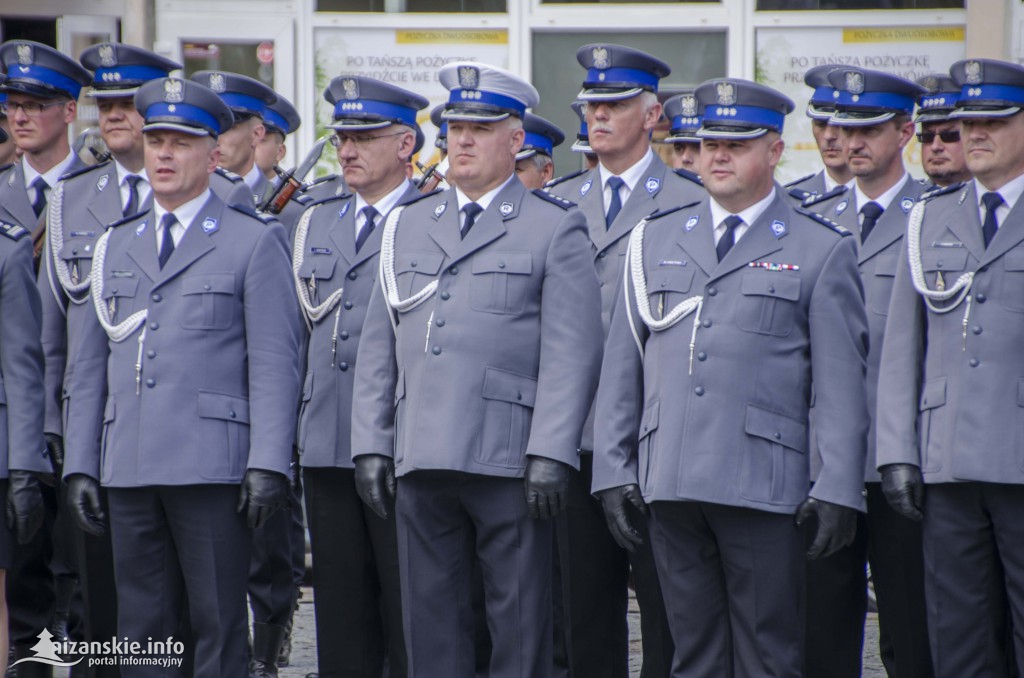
column 824, row 221
column 303, row 200
column 310, row 202
column 800, row 194
column 82, row 170
column 420, row 197
column 940, row 190
column 567, row 177
column 553, row 199
column 13, row 231
column 822, row 197
column 320, row 180
column 125, row 220
column 797, row 181
column 228, row 174
column 249, row 211
column 687, row 174
column 669, row 210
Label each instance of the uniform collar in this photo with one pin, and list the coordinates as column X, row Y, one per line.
column 123, row 172
column 51, row 175
column 185, row 214
column 749, row 215
column 484, row 200
column 883, row 200
column 1010, row 191
column 632, row 175
column 385, row 204
column 252, row 177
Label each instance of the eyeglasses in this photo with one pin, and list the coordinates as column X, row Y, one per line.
column 30, row 108
column 360, row 140
column 950, row 136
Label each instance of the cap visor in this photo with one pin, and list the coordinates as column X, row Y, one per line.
column 357, row 125
column 526, row 153
column 689, row 138
column 581, row 147
column 602, row 94
column 731, row 132
column 112, row 93
column 819, row 112
column 860, row 118
column 474, row 116
column 176, row 127
column 961, row 113
column 933, row 116
column 32, row 89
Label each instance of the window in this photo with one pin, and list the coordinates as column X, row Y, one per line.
column 772, row 5
column 431, row 6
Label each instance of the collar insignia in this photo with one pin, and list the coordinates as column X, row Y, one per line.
column 585, row 188
column 779, row 228
column 691, row 223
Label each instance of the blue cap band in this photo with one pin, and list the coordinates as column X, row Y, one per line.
column 478, row 96
column 824, row 96
column 886, row 101
column 1001, row 93
column 107, row 77
column 366, row 108
column 243, row 101
column 271, row 117
column 45, row 76
column 746, row 116
column 620, row 77
column 187, row 114
column 681, row 124
column 538, row 142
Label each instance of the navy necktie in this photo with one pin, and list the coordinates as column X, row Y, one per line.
column 871, row 212
column 471, row 210
column 166, row 241
column 370, row 213
column 133, row 194
column 39, row 204
column 988, row 229
column 728, row 239
column 615, row 205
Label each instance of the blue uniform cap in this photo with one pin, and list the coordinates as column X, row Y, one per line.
column 618, row 72
column 40, row 70
column 988, row 88
column 822, row 103
column 939, row 99
column 120, row 69
column 740, row 109
column 441, row 140
column 183, row 106
column 362, row 103
column 281, row 116
column 582, row 143
column 245, row 96
column 483, row 93
column 541, row 137
column 865, row 98
column 685, row 118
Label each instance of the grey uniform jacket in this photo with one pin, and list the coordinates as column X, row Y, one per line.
column 951, row 385
column 330, row 262
column 21, row 357
column 501, row 362
column 231, row 188
column 15, row 205
column 325, row 187
column 876, row 261
column 807, row 187
column 219, row 378
column 660, row 188
column 783, row 308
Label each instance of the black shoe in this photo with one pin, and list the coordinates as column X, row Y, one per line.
column 259, row 669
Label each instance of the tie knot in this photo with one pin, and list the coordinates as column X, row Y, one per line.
column 615, row 183
column 871, row 210
column 992, row 201
column 370, row 213
column 168, row 220
column 731, row 222
column 471, row 210
column 133, row 180
column 39, row 184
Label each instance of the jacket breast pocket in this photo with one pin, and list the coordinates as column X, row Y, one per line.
column 943, row 265
column 119, row 294
column 225, row 433
column 775, row 469
column 879, row 290
column 933, row 396
column 77, row 254
column 508, row 414
column 667, row 287
column 645, row 446
column 1013, row 280
column 501, row 282
column 415, row 270
column 768, row 302
column 209, row 301
column 317, row 272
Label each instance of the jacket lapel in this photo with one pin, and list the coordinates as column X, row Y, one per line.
column 194, row 244
column 445, row 229
column 343, row 229
column 490, row 225
column 372, row 245
column 20, row 206
column 1008, row 236
column 893, row 223
column 142, row 249
column 105, row 200
column 641, row 202
column 965, row 222
column 699, row 240
column 762, row 238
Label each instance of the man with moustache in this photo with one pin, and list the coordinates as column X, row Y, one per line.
column 835, row 177
column 534, row 163
column 630, row 182
column 942, row 151
column 681, row 110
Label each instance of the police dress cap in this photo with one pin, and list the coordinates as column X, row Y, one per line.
column 618, row 72
column 740, row 109
column 281, row 116
column 939, row 99
column 362, row 103
column 184, row 106
column 441, row 140
column 684, row 118
column 119, row 70
column 582, row 143
column 822, row 103
column 40, row 70
column 245, row 96
column 988, row 88
column 484, row 93
column 868, row 98
column 541, row 137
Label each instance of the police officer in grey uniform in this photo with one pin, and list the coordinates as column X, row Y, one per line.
column 630, row 182
column 335, row 259
column 949, row 392
column 730, row 309
column 684, row 120
column 942, row 148
column 534, row 164
column 834, row 178
column 475, row 370
column 8, row 149
column 185, row 388
column 280, row 119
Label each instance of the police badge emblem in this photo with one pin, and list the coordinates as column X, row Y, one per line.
column 24, row 55
column 779, row 228
column 217, row 83
column 469, row 77
column 841, row 207
column 102, row 183
column 209, row 225
column 601, row 57
column 906, row 204
column 585, row 188
column 973, row 72
column 439, row 210
column 351, row 88
column 691, row 223
column 174, row 91
column 140, row 228
column 689, row 103
column 652, row 184
column 343, row 210
column 506, row 208
column 726, row 93
column 107, row 57
column 854, row 82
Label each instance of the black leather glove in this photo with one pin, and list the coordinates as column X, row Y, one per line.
column 614, row 501
column 375, row 482
column 55, row 448
column 547, row 487
column 903, row 489
column 262, row 492
column 25, row 509
column 837, row 526
column 84, row 503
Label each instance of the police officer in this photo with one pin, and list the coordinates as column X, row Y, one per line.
column 872, row 112
column 475, row 370
column 42, row 87
column 192, row 385
column 630, row 182
column 534, row 164
column 335, row 256
column 942, row 150
column 8, row 149
column 684, row 118
column 949, row 385
column 279, row 119
column 835, row 177
column 732, row 307
column 582, row 143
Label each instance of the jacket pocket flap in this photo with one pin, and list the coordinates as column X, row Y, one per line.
column 1014, row 260
column 120, row 287
column 209, row 283
column 778, row 428
column 944, row 259
column 934, row 393
column 885, row 263
column 427, row 263
column 76, row 249
column 503, row 262
column 220, row 406
column 510, row 387
column 771, row 284
column 670, row 279
column 649, row 422
column 109, row 410
column 317, row 266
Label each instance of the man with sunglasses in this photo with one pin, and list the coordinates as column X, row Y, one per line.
column 942, row 153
